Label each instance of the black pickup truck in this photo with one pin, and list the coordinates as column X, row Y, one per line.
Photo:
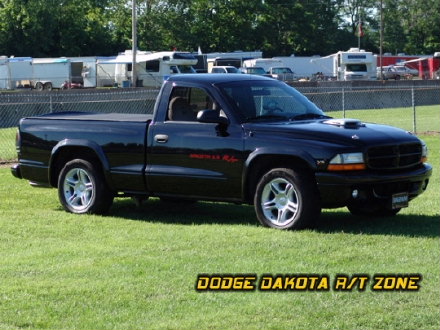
column 235, row 138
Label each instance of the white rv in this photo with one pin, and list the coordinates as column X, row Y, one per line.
column 354, row 64
column 152, row 68
column 15, row 72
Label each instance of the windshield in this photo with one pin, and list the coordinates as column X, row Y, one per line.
column 256, row 70
column 357, row 67
column 269, row 100
column 232, row 69
column 281, row 70
column 186, row 69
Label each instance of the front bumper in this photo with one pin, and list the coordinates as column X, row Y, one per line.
column 336, row 189
column 15, row 170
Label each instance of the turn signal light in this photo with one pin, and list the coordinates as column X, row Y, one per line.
column 346, row 167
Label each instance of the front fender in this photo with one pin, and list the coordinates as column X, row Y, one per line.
column 278, row 151
column 262, row 159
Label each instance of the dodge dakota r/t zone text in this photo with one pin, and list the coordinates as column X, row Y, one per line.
column 235, row 138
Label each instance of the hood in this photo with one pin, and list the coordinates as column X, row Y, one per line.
column 349, row 132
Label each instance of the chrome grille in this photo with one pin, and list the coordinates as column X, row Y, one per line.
column 394, row 156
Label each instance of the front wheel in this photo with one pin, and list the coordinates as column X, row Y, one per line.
column 82, row 188
column 287, row 199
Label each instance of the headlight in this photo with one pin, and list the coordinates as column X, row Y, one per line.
column 424, row 152
column 347, row 162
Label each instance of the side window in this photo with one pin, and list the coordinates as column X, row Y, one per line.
column 186, row 102
column 152, row 66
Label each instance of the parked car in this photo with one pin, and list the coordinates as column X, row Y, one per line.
column 388, row 72
column 404, row 70
column 282, row 73
column 224, row 69
column 396, row 72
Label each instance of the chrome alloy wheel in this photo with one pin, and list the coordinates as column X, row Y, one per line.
column 78, row 189
column 279, row 202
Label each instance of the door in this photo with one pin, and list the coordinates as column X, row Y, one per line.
column 194, row 159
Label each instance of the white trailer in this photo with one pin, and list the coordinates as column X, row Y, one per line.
column 49, row 73
column 151, row 68
column 4, row 73
column 235, row 58
column 105, row 71
column 15, row 72
column 83, row 71
column 308, row 67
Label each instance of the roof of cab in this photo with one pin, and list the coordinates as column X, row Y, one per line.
column 214, row 78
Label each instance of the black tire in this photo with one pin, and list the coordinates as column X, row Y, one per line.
column 367, row 210
column 39, row 86
column 82, row 188
column 287, row 199
column 48, row 86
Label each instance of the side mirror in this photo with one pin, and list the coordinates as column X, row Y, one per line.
column 211, row 116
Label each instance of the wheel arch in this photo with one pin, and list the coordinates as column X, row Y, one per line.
column 67, row 150
column 262, row 162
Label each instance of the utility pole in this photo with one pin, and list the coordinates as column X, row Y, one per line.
column 381, row 39
column 359, row 28
column 134, row 44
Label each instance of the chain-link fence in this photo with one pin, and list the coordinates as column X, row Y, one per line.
column 415, row 109
column 412, row 108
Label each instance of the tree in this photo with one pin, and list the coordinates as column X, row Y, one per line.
column 51, row 28
column 421, row 25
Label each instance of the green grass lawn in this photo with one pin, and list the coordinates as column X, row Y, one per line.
column 137, row 267
column 7, row 144
column 427, row 118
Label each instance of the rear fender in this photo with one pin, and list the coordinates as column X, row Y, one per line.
column 81, row 145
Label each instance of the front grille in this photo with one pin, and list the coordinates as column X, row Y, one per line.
column 394, row 156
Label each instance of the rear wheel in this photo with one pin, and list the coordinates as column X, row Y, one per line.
column 287, row 199
column 82, row 188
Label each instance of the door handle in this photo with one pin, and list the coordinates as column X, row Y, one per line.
column 161, row 138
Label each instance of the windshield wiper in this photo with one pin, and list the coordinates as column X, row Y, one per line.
column 309, row 116
column 266, row 117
